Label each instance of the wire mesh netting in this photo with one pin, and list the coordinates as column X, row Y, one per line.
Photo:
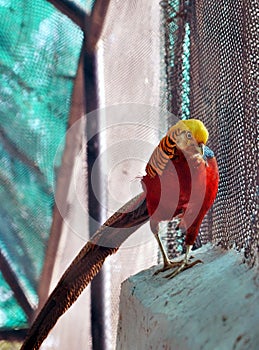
column 38, row 62
column 129, row 52
column 224, row 93
column 211, row 74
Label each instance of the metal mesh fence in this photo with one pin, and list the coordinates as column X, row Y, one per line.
column 224, row 94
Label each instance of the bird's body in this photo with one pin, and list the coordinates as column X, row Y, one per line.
column 191, row 193
column 181, row 180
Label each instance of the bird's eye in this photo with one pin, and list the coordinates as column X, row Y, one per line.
column 188, row 135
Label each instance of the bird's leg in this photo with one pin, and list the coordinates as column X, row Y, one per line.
column 184, row 264
column 179, row 265
column 167, row 263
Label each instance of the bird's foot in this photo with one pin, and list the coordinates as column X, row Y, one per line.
column 168, row 265
column 182, row 265
column 179, row 265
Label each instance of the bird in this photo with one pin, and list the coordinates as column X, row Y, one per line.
column 183, row 188
column 181, row 181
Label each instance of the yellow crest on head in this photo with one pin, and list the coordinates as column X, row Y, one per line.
column 198, row 130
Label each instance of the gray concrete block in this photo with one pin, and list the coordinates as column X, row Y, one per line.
column 212, row 306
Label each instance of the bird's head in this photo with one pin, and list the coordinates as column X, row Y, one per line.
column 190, row 136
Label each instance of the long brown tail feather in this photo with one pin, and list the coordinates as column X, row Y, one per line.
column 85, row 266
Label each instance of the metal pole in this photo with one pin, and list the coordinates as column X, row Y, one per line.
column 94, row 208
column 93, row 30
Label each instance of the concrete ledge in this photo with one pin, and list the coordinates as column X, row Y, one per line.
column 213, row 306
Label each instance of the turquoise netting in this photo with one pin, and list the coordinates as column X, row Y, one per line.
column 39, row 54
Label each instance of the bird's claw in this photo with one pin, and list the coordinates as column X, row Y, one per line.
column 181, row 266
column 167, row 266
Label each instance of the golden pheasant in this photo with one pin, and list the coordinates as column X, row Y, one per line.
column 181, row 181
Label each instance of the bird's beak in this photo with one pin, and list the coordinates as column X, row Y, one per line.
column 200, row 149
